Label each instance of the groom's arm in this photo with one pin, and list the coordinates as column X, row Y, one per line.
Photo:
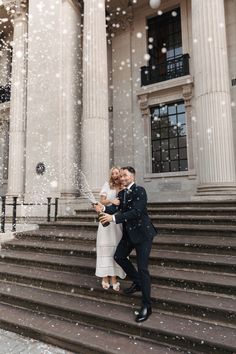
column 140, row 203
column 111, row 209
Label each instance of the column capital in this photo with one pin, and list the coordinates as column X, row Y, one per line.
column 15, row 8
column 119, row 21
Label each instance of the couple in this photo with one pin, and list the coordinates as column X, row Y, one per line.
column 138, row 233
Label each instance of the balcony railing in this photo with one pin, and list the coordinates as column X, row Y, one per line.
column 167, row 70
column 5, row 93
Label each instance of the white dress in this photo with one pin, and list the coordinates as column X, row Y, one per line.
column 107, row 241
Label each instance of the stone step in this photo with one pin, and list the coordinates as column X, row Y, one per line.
column 218, row 211
column 194, row 204
column 69, row 225
column 193, row 229
column 212, row 244
column 224, row 283
column 202, row 304
column 68, row 235
column 193, row 243
column 52, row 247
column 195, row 219
column 160, row 327
column 161, row 219
column 75, row 336
column 202, row 208
column 166, row 258
column 207, row 261
column 195, row 279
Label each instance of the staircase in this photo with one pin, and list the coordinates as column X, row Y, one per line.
column 48, row 290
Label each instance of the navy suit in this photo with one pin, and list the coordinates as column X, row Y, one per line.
column 138, row 233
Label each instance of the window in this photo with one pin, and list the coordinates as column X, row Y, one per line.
column 164, row 37
column 168, row 136
column 165, row 49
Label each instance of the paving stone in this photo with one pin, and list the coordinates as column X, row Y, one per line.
column 12, row 343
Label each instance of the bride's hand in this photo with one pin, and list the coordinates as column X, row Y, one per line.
column 115, row 201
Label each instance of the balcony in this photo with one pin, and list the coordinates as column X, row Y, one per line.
column 5, row 93
column 167, row 70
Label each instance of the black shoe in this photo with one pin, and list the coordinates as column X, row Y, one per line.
column 143, row 314
column 132, row 289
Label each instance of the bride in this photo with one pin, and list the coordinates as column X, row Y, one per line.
column 109, row 237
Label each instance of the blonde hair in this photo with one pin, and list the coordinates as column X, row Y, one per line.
column 111, row 182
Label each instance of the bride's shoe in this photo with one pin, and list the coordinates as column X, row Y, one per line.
column 105, row 285
column 116, row 286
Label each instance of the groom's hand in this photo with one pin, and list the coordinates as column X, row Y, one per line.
column 98, row 207
column 106, row 218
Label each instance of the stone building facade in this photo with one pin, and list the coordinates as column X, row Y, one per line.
column 87, row 85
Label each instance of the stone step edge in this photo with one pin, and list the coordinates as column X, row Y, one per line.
column 159, row 255
column 160, row 239
column 156, row 216
column 84, row 238
column 161, row 295
column 103, row 320
column 182, row 276
column 204, row 227
column 155, row 270
column 40, row 328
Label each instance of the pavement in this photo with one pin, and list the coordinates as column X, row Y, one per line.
column 12, row 343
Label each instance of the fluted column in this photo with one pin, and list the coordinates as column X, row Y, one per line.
column 16, row 170
column 95, row 137
column 213, row 109
column 71, row 97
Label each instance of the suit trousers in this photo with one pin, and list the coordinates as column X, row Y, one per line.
column 142, row 276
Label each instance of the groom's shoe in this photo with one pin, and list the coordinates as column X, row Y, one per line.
column 143, row 314
column 132, row 289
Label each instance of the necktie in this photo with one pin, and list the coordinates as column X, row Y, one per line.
column 125, row 195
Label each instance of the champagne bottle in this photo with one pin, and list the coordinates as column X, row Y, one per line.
column 99, row 217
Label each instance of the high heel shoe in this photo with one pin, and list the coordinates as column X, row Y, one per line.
column 105, row 285
column 116, row 286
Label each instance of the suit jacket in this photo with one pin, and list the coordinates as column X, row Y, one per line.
column 132, row 213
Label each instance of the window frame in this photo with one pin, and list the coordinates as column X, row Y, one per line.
column 168, row 129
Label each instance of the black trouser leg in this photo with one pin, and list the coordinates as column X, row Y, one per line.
column 123, row 250
column 143, row 251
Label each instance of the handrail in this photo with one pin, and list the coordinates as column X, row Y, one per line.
column 14, row 205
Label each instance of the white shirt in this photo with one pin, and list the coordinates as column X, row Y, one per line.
column 130, row 185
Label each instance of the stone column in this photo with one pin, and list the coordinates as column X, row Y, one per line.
column 71, row 97
column 213, row 109
column 16, row 169
column 95, row 134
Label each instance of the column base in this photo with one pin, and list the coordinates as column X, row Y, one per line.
column 219, row 192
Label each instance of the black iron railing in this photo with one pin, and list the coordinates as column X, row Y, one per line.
column 167, row 70
column 5, row 93
column 14, row 205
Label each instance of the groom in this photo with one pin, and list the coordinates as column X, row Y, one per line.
column 138, row 233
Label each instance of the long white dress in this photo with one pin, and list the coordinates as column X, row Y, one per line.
column 107, row 241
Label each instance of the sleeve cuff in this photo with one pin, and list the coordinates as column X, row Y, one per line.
column 114, row 218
